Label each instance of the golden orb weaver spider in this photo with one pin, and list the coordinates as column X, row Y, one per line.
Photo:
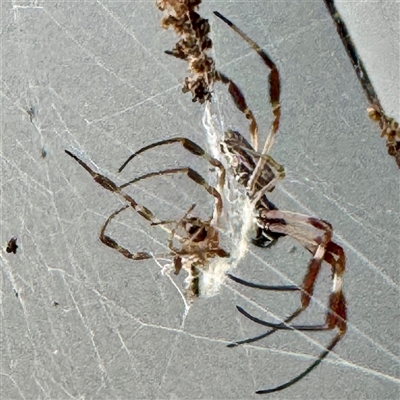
column 258, row 173
column 253, row 170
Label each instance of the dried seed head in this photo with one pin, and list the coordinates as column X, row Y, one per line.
column 193, row 31
column 390, row 130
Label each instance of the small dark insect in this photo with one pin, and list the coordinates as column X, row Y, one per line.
column 43, row 152
column 199, row 239
column 31, row 113
column 55, row 304
column 12, row 245
column 258, row 173
column 16, row 293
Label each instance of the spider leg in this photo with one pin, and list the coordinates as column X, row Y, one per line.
column 112, row 187
column 263, row 287
column 282, row 326
column 257, row 196
column 110, row 242
column 194, row 176
column 335, row 318
column 241, row 105
column 315, row 364
column 274, row 94
column 285, row 223
column 189, row 145
column 141, row 210
column 323, row 249
column 274, row 78
column 263, row 335
column 332, row 248
column 287, row 288
column 144, row 211
column 306, row 293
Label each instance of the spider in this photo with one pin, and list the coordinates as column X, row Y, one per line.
column 199, row 239
column 258, row 173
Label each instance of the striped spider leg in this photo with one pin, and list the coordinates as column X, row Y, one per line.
column 198, row 238
column 258, row 173
column 240, row 101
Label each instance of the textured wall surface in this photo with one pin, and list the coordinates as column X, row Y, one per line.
column 81, row 321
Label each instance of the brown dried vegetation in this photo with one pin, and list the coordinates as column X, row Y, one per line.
column 390, row 129
column 193, row 31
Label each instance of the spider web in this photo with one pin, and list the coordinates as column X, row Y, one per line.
column 79, row 320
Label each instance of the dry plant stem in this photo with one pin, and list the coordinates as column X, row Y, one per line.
column 389, row 127
column 192, row 46
column 390, row 130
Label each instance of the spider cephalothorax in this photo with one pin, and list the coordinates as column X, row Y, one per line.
column 203, row 239
column 199, row 243
column 243, row 160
